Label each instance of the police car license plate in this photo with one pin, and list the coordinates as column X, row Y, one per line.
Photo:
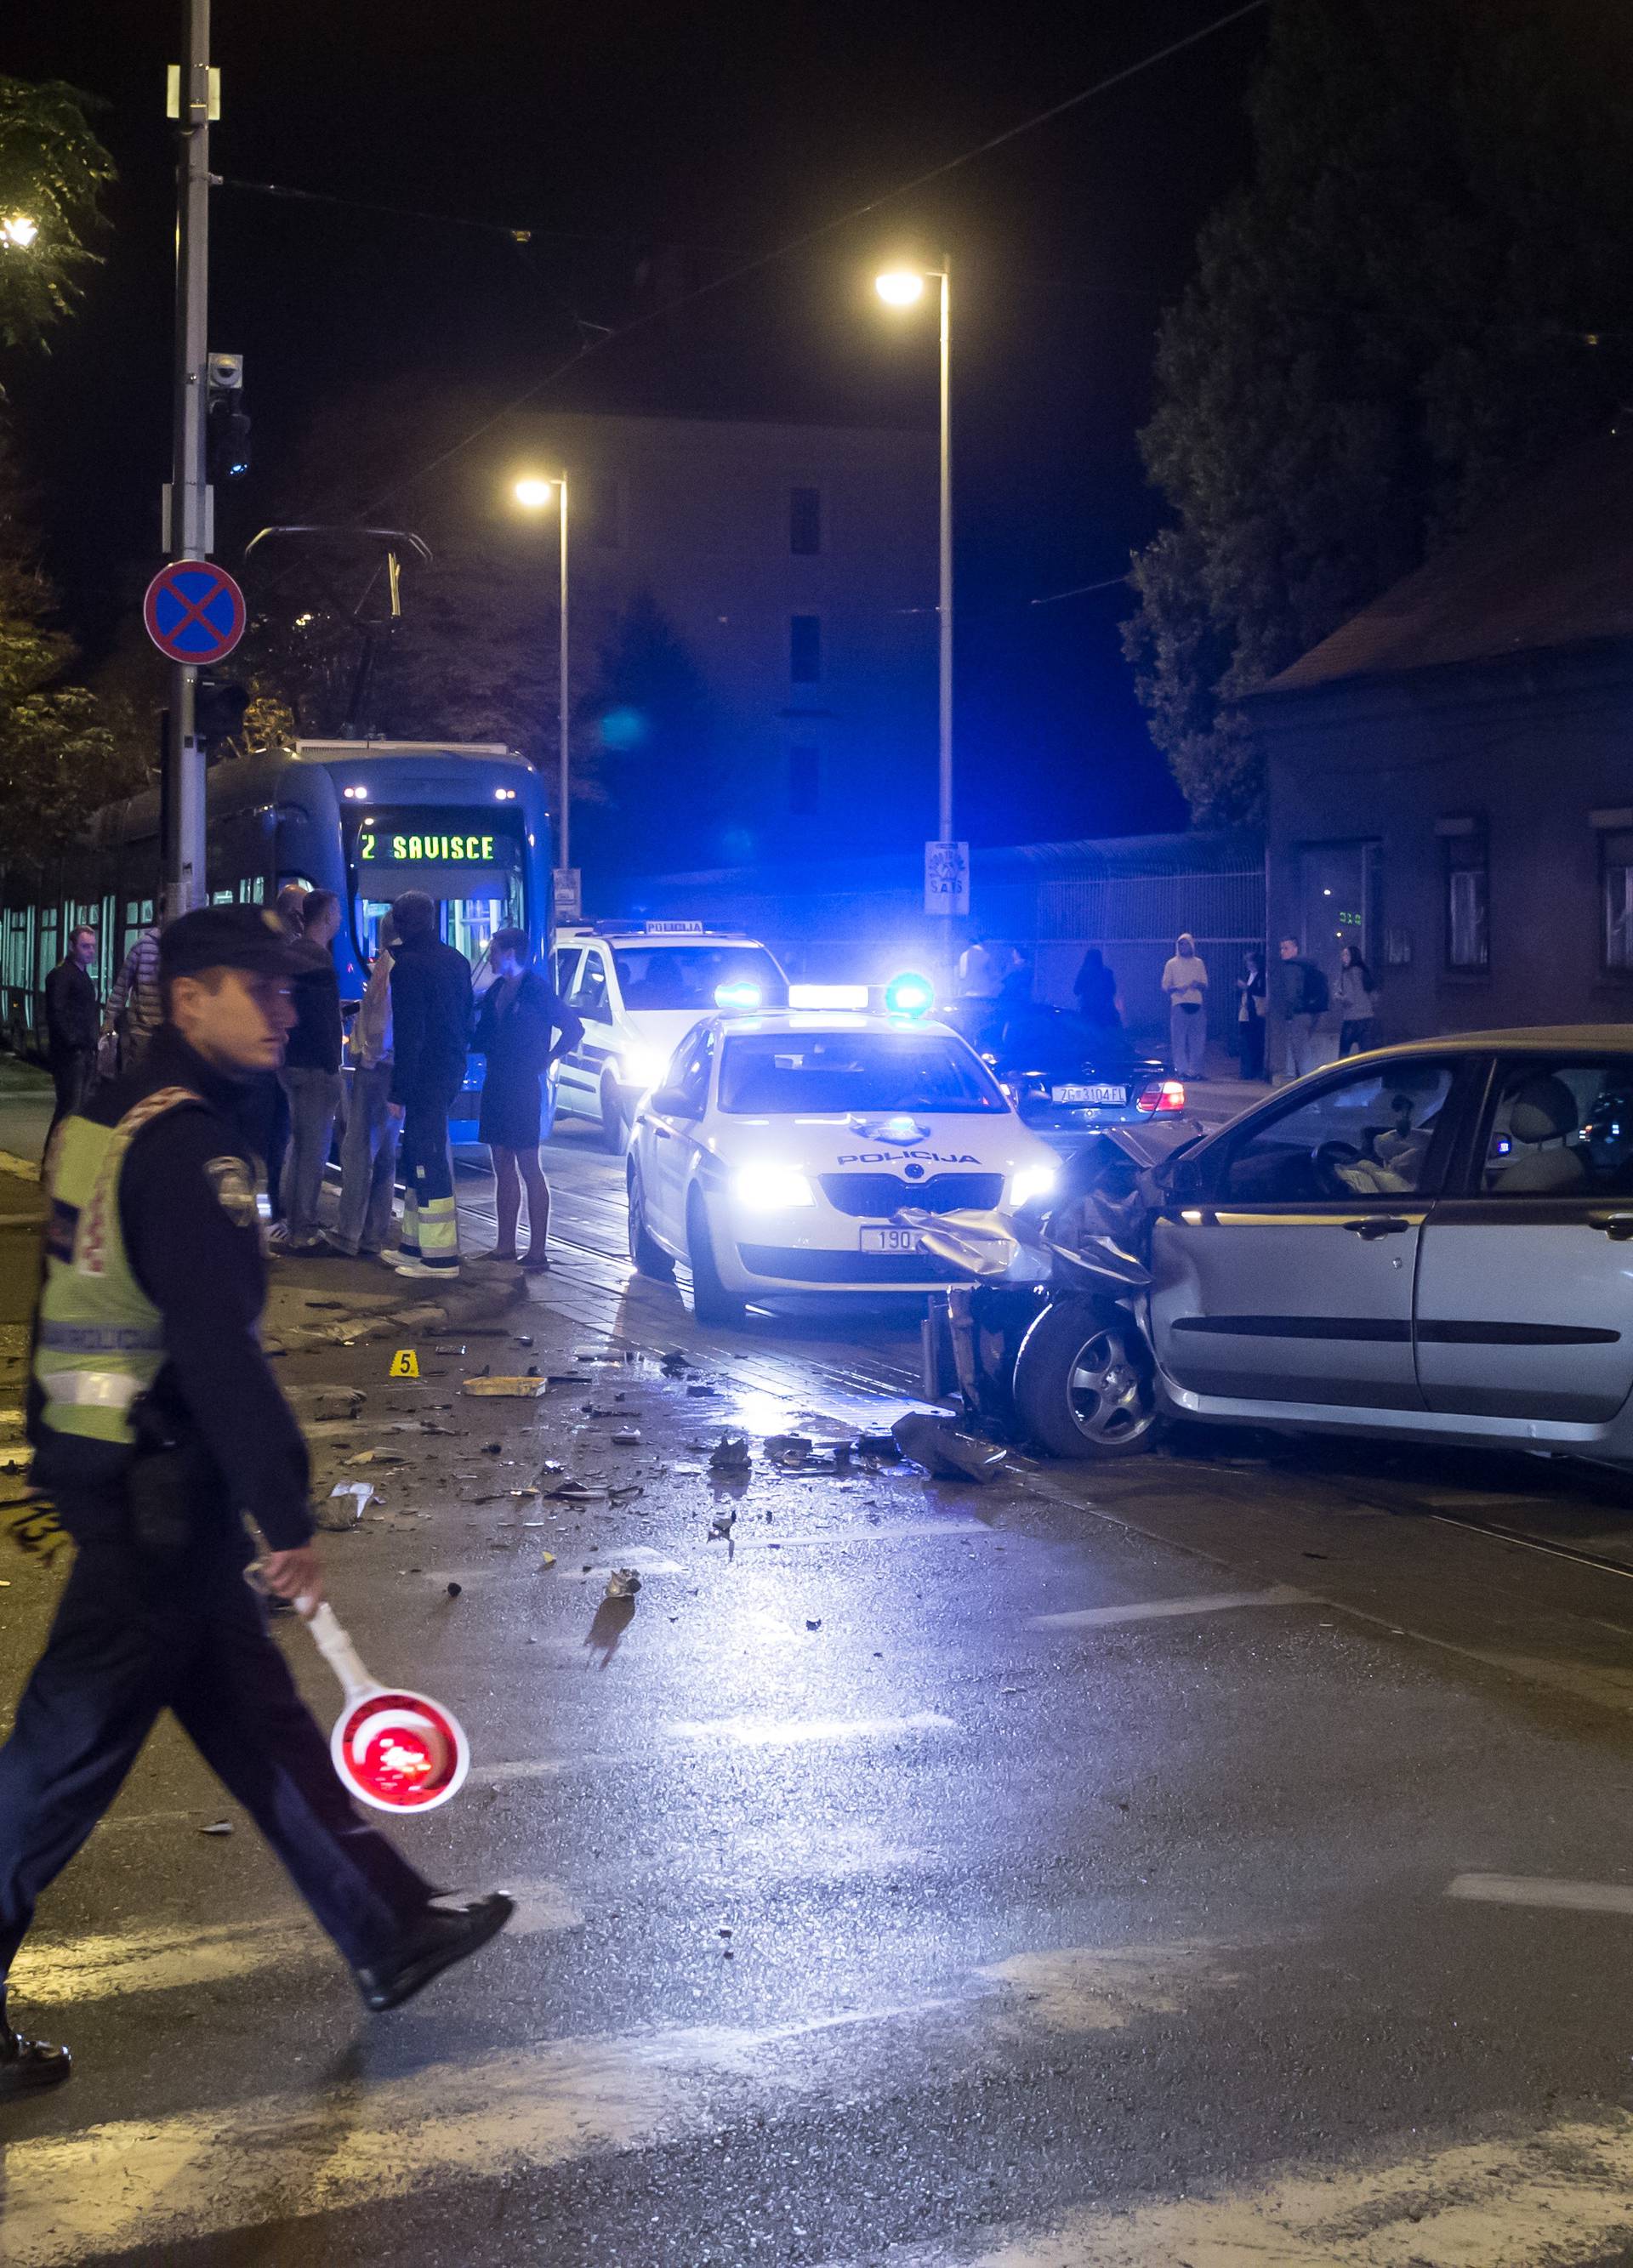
column 1088, row 1093
column 890, row 1239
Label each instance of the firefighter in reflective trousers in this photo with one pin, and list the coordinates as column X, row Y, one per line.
column 157, row 1425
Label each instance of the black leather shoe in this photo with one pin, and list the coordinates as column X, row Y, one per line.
column 26, row 2064
column 445, row 1935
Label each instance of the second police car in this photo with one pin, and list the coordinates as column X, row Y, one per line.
column 776, row 1149
column 639, row 987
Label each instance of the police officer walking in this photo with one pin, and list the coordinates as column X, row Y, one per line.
column 157, row 1423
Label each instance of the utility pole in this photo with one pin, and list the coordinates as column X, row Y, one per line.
column 190, row 534
column 563, row 858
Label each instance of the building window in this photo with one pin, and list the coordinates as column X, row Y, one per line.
column 805, row 522
column 804, row 781
column 1615, row 889
column 805, row 649
column 604, row 512
column 1468, row 899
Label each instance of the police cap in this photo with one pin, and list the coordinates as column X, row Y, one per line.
column 226, row 937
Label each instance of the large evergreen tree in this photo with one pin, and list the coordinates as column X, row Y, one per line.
column 1426, row 290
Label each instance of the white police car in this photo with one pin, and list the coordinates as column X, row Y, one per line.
column 776, row 1150
column 640, row 987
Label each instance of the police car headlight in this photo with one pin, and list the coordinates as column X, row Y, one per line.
column 643, row 1067
column 1031, row 1183
column 771, row 1189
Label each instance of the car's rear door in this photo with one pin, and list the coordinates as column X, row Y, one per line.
column 1525, row 1297
column 1286, row 1275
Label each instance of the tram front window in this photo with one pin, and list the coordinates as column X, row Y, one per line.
column 469, row 864
column 467, row 923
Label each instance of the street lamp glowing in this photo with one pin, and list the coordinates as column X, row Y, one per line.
column 899, row 287
column 534, row 494
column 16, row 229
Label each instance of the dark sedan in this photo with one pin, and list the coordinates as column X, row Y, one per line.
column 1067, row 1078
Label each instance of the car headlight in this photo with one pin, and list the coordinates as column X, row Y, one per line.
column 771, row 1189
column 1031, row 1183
column 642, row 1067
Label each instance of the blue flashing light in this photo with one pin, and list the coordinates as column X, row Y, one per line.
column 737, row 992
column 909, row 995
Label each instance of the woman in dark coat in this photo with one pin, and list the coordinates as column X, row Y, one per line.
column 521, row 1028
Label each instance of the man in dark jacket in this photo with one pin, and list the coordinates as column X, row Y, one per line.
column 72, row 1022
column 1302, row 996
column 431, row 1014
column 158, row 1424
column 311, row 1071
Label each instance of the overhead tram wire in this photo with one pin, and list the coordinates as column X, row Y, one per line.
column 803, row 242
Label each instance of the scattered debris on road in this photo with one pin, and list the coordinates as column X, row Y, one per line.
column 945, row 1452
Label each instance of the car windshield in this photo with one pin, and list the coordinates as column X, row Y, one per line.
column 780, row 1072
column 701, row 977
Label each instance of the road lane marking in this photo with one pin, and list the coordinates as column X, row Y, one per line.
column 1149, row 1610
column 97, row 1967
column 792, row 1732
column 1560, row 2194
column 1543, row 1891
column 24, row 1168
column 159, row 2182
column 724, row 1732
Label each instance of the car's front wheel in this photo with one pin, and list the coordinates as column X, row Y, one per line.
column 649, row 1256
column 1084, row 1385
column 615, row 1120
column 710, row 1302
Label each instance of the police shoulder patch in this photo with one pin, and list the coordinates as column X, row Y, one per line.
column 235, row 1192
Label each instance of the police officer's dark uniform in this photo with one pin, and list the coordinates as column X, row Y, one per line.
column 156, row 1422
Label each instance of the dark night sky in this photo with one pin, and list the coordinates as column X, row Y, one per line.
column 722, row 132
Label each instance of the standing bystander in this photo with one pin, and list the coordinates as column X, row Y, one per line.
column 1301, row 998
column 1356, row 1006
column 1184, row 983
column 311, row 1071
column 522, row 1027
column 368, row 1151
column 133, row 1012
column 72, row 1025
column 431, row 1007
column 1095, row 987
column 1250, row 1015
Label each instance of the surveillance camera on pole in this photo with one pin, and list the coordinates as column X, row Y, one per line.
column 228, row 421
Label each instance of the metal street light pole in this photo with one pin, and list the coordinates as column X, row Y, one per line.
column 191, row 533
column 945, row 809
column 534, row 491
column 563, row 858
column 946, row 878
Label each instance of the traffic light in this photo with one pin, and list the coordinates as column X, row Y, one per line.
column 218, row 709
column 226, row 422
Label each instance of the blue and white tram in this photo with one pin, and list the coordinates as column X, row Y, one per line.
column 366, row 819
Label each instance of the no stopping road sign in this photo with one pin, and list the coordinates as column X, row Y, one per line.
column 194, row 612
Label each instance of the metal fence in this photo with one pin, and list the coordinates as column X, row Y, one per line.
column 1052, row 901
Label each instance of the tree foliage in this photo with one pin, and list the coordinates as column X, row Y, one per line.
column 52, row 172
column 62, row 755
column 1424, row 292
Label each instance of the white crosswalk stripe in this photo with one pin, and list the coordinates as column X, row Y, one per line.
column 240, row 2165
column 1537, row 2201
column 72, row 1970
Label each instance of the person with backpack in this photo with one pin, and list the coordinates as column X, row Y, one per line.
column 1302, row 999
column 1355, row 990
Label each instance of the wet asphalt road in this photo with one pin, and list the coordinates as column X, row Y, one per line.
column 1222, row 1858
